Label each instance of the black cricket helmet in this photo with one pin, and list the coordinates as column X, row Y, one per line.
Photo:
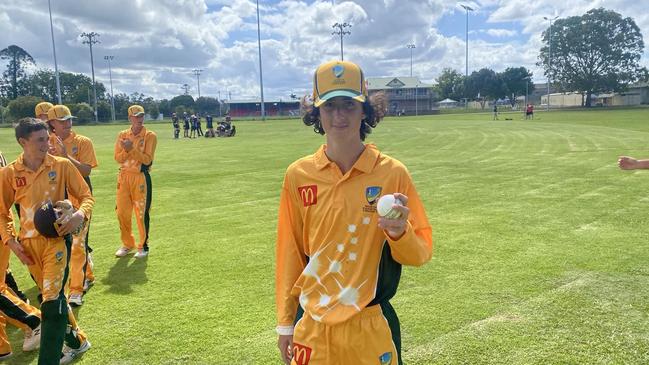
column 45, row 220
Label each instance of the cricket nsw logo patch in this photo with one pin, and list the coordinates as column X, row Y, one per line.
column 372, row 193
column 308, row 194
column 301, row 354
column 386, row 358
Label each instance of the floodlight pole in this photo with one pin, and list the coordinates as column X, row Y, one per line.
column 341, row 32
column 261, row 75
column 468, row 9
column 112, row 95
column 56, row 66
column 90, row 41
column 411, row 46
column 549, row 55
column 197, row 73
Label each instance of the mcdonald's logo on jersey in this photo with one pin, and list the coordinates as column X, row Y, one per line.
column 301, row 354
column 309, row 194
column 21, row 181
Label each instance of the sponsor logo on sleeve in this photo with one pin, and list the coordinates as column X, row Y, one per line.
column 301, row 354
column 308, row 194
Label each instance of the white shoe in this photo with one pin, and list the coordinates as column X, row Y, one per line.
column 87, row 284
column 32, row 339
column 123, row 251
column 76, row 300
column 141, row 254
column 69, row 354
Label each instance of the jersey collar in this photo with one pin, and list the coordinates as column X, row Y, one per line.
column 20, row 165
column 365, row 162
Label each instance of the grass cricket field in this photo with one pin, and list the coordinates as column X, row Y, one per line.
column 540, row 243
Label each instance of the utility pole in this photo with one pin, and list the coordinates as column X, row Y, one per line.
column 261, row 77
column 411, row 46
column 468, row 9
column 56, row 66
column 112, row 95
column 186, row 88
column 197, row 73
column 91, row 38
column 549, row 55
column 341, row 32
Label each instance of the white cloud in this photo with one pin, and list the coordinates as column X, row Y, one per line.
column 156, row 43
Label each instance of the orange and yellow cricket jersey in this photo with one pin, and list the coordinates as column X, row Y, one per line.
column 332, row 258
column 31, row 188
column 139, row 158
column 80, row 148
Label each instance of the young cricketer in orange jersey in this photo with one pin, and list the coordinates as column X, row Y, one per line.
column 338, row 262
column 32, row 179
column 64, row 142
column 12, row 308
column 134, row 151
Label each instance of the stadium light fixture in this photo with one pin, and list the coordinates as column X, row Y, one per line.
column 341, row 32
column 261, row 77
column 92, row 39
column 56, row 66
column 112, row 95
column 411, row 46
column 549, row 56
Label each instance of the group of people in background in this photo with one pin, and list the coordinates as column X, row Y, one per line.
column 54, row 171
column 192, row 126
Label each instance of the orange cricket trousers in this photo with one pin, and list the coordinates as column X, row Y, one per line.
column 134, row 194
column 12, row 309
column 80, row 262
column 364, row 339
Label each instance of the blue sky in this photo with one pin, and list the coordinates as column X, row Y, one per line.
column 157, row 43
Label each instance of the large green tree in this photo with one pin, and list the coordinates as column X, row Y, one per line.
column 597, row 52
column 450, row 84
column 483, row 85
column 516, row 81
column 14, row 83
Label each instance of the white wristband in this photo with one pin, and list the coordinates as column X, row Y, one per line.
column 284, row 330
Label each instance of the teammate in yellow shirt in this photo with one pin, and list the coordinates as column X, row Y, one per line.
column 338, row 262
column 134, row 151
column 14, row 309
column 64, row 142
column 33, row 178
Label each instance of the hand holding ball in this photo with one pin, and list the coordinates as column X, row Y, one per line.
column 385, row 204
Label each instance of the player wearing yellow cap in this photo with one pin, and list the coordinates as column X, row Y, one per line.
column 34, row 177
column 134, row 151
column 41, row 109
column 64, row 142
column 338, row 262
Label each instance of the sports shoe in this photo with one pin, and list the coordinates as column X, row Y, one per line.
column 123, row 251
column 6, row 356
column 69, row 354
column 75, row 300
column 87, row 284
column 140, row 254
column 32, row 339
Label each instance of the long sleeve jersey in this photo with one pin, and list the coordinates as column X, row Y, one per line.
column 332, row 258
column 140, row 157
column 56, row 179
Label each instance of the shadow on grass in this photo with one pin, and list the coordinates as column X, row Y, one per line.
column 124, row 274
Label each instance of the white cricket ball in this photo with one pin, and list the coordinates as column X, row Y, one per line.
column 384, row 207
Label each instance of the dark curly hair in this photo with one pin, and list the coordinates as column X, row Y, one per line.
column 374, row 108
